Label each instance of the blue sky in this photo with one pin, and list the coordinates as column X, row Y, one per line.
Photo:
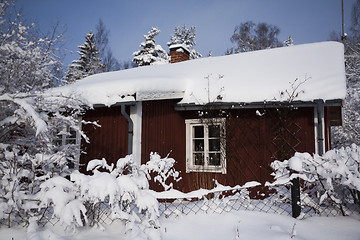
column 305, row 20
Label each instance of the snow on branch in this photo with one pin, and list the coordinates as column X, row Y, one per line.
column 29, row 111
column 333, row 178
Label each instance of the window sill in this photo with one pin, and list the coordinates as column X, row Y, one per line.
column 219, row 169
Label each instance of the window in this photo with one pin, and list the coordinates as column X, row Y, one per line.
column 205, row 145
column 70, row 138
column 67, row 136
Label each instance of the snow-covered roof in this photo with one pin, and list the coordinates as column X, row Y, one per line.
column 179, row 46
column 315, row 71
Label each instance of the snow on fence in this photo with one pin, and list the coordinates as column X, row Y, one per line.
column 235, row 199
column 218, row 200
column 221, row 199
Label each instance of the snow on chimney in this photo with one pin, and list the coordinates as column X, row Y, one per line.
column 179, row 53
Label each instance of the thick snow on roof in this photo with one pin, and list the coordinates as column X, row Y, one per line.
column 314, row 71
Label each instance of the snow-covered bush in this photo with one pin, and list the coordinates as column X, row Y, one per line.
column 61, row 194
column 163, row 170
column 28, row 153
column 331, row 180
column 21, row 176
column 120, row 191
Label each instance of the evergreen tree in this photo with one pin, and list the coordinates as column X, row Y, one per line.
column 186, row 36
column 89, row 62
column 150, row 54
column 289, row 42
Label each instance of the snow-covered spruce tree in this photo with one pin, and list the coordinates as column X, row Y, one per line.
column 29, row 121
column 186, row 36
column 289, row 41
column 350, row 131
column 150, row 53
column 89, row 62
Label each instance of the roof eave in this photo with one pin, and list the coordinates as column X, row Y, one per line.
column 252, row 105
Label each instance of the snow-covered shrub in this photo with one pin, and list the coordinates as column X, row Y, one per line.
column 61, row 195
column 117, row 192
column 28, row 153
column 124, row 188
column 331, row 180
column 20, row 178
column 163, row 168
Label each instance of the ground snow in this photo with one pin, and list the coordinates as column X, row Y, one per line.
column 244, row 225
column 245, row 77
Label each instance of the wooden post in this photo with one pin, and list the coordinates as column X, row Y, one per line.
column 295, row 196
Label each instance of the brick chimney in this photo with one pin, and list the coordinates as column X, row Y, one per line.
column 179, row 53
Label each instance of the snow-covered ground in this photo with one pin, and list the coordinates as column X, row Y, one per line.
column 244, row 225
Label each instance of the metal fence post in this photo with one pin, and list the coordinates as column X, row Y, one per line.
column 295, row 197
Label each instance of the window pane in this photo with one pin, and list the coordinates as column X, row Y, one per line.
column 198, row 159
column 198, row 131
column 214, row 159
column 214, row 131
column 214, row 144
column 72, row 134
column 70, row 141
column 58, row 141
column 198, row 145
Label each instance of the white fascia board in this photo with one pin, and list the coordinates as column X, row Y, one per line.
column 148, row 96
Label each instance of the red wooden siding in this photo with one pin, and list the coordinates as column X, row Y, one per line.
column 253, row 142
column 163, row 131
column 110, row 141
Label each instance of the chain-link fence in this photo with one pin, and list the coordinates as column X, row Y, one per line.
column 344, row 203
column 279, row 202
column 222, row 201
column 256, row 198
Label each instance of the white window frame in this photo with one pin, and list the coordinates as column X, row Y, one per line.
column 190, row 166
column 64, row 135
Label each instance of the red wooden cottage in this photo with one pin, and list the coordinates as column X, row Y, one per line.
column 225, row 118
